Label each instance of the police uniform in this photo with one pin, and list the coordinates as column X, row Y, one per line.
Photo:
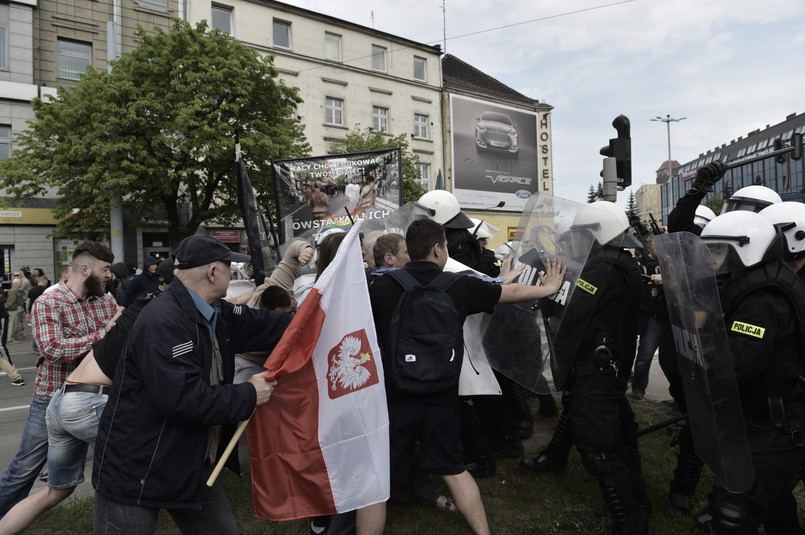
column 764, row 320
column 605, row 308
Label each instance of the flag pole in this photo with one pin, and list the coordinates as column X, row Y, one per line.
column 227, row 452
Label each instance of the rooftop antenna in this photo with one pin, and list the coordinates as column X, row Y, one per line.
column 372, row 14
column 444, row 27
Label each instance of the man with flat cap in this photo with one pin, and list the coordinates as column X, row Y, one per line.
column 172, row 406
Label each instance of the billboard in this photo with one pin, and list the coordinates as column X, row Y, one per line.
column 341, row 178
column 495, row 154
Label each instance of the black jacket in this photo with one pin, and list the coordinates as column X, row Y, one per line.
column 153, row 434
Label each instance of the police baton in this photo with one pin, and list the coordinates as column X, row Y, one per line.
column 660, row 425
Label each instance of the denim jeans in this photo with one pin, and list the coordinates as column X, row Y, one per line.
column 649, row 342
column 19, row 477
column 214, row 518
column 72, row 420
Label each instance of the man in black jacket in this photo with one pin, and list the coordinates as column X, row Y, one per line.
column 172, row 405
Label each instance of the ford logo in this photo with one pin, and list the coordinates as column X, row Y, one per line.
column 523, row 194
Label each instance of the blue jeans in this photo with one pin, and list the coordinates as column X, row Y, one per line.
column 72, row 420
column 21, row 474
column 649, row 342
column 214, row 518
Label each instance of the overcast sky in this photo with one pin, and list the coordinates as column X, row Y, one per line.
column 728, row 66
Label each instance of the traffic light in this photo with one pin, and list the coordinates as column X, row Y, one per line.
column 778, row 145
column 796, row 144
column 620, row 148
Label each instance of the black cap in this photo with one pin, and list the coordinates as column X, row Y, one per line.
column 200, row 250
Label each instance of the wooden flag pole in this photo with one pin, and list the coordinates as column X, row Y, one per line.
column 227, row 452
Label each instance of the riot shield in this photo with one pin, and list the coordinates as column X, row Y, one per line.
column 514, row 338
column 704, row 359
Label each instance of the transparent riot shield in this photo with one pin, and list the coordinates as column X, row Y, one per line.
column 705, row 362
column 514, row 337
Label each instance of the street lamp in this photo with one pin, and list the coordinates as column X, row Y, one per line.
column 668, row 120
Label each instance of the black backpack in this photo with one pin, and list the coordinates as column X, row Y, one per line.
column 425, row 345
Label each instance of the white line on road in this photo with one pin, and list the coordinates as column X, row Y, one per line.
column 18, row 407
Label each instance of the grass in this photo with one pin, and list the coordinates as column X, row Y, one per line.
column 515, row 502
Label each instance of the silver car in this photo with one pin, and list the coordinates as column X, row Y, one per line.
column 496, row 131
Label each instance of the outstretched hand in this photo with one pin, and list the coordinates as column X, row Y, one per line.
column 554, row 275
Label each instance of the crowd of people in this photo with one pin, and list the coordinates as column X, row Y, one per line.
column 159, row 393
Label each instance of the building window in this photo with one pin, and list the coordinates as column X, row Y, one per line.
column 5, row 141
column 420, row 69
column 335, row 110
column 222, row 18
column 282, row 34
column 420, row 125
column 158, row 5
column 332, row 46
column 379, row 58
column 380, row 119
column 74, row 58
column 424, row 175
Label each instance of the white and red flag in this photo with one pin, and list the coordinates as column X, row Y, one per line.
column 320, row 446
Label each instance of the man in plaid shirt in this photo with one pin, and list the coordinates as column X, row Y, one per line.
column 65, row 322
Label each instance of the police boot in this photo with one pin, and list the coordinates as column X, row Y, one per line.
column 686, row 477
column 547, row 406
column 554, row 457
column 622, row 522
column 525, row 422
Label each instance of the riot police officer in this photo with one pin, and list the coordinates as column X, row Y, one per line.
column 594, row 351
column 762, row 302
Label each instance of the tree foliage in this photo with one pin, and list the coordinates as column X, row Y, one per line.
column 360, row 140
column 715, row 202
column 159, row 130
column 631, row 206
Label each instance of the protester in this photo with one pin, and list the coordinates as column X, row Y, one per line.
column 433, row 418
column 65, row 322
column 34, row 293
column 649, row 330
column 172, row 403
column 14, row 301
column 144, row 282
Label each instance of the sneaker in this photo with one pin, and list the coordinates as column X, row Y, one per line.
column 3, row 374
column 18, row 382
column 43, row 477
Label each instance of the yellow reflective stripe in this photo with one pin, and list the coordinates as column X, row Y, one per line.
column 748, row 329
column 586, row 286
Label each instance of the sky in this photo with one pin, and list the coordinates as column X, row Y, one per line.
column 728, row 66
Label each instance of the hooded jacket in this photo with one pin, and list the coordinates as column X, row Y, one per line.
column 144, row 282
column 153, row 434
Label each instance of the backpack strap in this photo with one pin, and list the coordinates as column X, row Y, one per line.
column 404, row 279
column 445, row 280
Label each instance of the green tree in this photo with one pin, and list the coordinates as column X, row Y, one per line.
column 631, row 206
column 360, row 140
column 159, row 130
column 591, row 196
column 714, row 203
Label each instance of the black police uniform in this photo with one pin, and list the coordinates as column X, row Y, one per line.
column 605, row 308
column 764, row 322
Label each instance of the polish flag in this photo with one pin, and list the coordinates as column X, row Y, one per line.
column 320, row 446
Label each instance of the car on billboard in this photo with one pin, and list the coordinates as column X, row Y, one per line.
column 496, row 131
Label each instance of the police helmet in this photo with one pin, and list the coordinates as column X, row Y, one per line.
column 607, row 223
column 741, row 239
column 444, row 209
column 789, row 217
column 751, row 198
column 703, row 216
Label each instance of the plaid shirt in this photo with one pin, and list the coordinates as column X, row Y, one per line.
column 64, row 327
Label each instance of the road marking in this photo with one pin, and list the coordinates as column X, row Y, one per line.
column 16, row 408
